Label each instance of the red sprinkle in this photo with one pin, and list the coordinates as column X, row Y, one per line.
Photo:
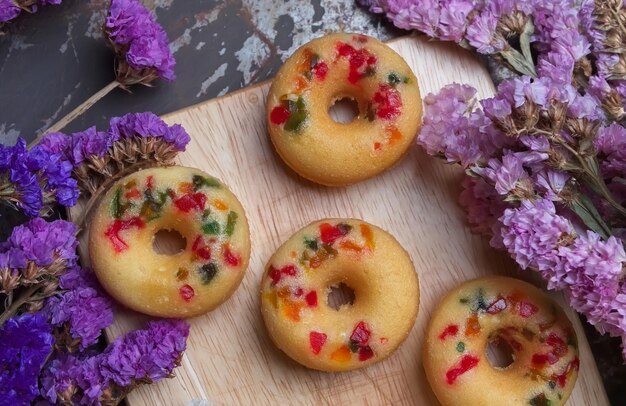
column 113, row 231
column 360, row 334
column 467, row 362
column 311, row 298
column 527, row 309
column 329, row 233
column 360, row 61
column 377, row 146
column 186, row 292
column 149, row 182
column 320, row 70
column 383, row 340
column 539, row 359
column 277, row 274
column 515, row 345
column 450, row 331
column 299, row 292
column 497, row 306
column 387, row 102
column 365, row 353
column 230, row 258
column 187, row 202
column 132, row 194
column 200, row 249
column 279, row 115
column 317, row 341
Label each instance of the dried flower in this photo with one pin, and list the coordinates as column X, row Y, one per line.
column 26, row 343
column 82, row 311
column 140, row 44
column 35, row 180
column 36, row 252
column 10, row 9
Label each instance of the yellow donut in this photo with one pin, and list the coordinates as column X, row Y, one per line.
column 196, row 205
column 498, row 309
column 299, row 276
column 331, row 68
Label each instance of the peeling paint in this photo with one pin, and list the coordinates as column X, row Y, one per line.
column 251, row 56
column 219, row 72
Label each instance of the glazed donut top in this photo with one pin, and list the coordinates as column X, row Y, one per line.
column 328, row 69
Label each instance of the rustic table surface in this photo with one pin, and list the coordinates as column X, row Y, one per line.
column 53, row 60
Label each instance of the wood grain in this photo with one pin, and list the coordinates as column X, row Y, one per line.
column 230, row 359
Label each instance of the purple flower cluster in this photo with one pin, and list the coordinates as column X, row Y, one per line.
column 10, row 9
column 143, row 125
column 26, row 341
column 146, row 355
column 453, row 130
column 82, row 307
column 546, row 154
column 140, row 43
column 35, row 251
column 34, row 180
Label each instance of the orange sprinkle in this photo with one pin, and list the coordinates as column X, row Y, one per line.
column 185, row 187
column 350, row 246
column 219, row 204
column 131, row 184
column 377, row 146
column 341, row 354
column 301, row 84
column 472, row 327
column 293, row 254
column 292, row 310
column 366, row 232
column 394, row 134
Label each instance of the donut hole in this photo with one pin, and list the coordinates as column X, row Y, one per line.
column 340, row 295
column 168, row 242
column 344, row 110
column 500, row 353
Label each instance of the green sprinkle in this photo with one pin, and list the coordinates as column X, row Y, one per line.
column 207, row 272
column 393, row 79
column 552, row 384
column 540, row 400
column 460, row 346
column 199, row 181
column 212, row 227
column 116, row 207
column 311, row 243
column 298, row 114
column 206, row 214
column 353, row 345
column 231, row 220
column 464, row 300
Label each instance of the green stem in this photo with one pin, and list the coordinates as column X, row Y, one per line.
column 24, row 297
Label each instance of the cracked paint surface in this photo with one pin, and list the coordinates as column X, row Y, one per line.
column 220, row 46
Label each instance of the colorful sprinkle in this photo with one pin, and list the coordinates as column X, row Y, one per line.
column 540, row 400
column 362, row 62
column 341, row 354
column 360, row 334
column 365, row 353
column 182, row 274
column 279, row 115
column 449, row 331
column 211, row 228
column 277, row 274
column 200, row 181
column 189, row 202
column 317, row 341
column 472, row 326
column 386, row 102
column 460, row 346
column 230, row 258
column 200, row 249
column 186, row 293
column 527, row 309
column 329, row 233
column 231, row 220
column 320, row 70
column 113, row 231
column 467, row 362
column 311, row 298
column 207, row 272
column 497, row 306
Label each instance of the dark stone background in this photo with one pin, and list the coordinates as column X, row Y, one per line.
column 55, row 59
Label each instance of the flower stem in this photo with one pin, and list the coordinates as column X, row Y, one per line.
column 59, row 125
column 24, row 297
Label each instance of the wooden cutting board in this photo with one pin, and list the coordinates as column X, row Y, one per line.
column 230, row 359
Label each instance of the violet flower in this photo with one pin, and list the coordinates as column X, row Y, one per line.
column 140, row 44
column 35, row 180
column 26, row 343
column 10, row 9
column 141, row 356
column 145, row 125
column 37, row 251
column 83, row 308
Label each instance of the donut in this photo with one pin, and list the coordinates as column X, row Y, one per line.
column 500, row 311
column 327, row 253
column 197, row 206
column 332, row 68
